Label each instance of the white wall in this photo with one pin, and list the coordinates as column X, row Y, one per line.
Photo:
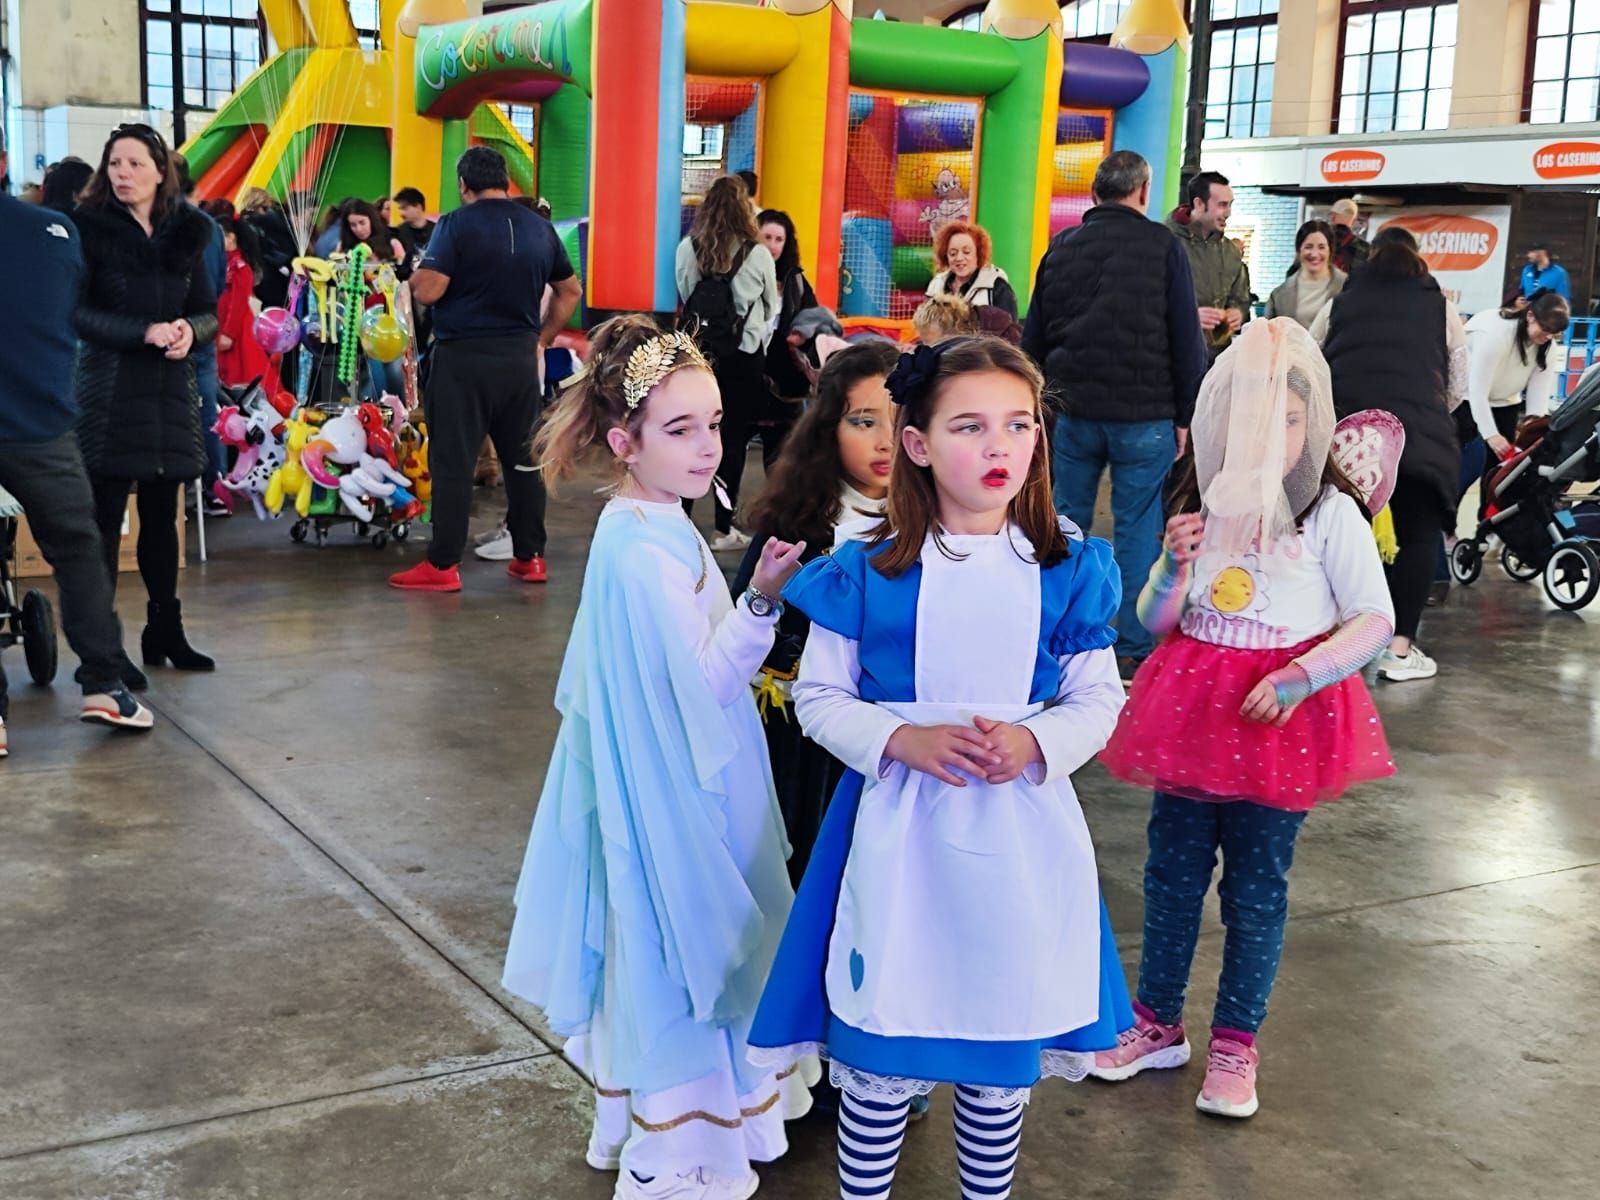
column 76, row 75
column 77, row 52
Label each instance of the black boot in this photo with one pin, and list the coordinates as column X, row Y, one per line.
column 163, row 639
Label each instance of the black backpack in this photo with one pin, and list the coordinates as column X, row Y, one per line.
column 710, row 316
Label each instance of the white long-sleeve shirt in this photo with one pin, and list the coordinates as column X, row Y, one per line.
column 1497, row 376
column 729, row 641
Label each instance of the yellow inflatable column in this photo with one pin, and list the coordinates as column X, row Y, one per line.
column 330, row 23
column 416, row 143
column 806, row 124
column 287, row 23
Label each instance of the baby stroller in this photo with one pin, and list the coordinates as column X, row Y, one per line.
column 31, row 624
column 1541, row 529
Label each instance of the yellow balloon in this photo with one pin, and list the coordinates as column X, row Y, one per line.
column 383, row 337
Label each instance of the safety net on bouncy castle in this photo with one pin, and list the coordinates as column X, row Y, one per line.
column 910, row 168
column 721, row 122
column 1083, row 139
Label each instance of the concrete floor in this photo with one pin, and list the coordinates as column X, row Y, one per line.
column 254, row 954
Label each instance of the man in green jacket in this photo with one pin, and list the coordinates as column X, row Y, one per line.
column 1221, row 280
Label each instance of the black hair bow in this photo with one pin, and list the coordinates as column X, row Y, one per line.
column 914, row 375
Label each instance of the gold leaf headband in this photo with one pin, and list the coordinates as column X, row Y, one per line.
column 653, row 361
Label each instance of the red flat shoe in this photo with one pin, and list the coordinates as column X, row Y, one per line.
column 425, row 577
column 529, row 570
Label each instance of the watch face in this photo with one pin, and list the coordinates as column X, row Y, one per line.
column 761, row 606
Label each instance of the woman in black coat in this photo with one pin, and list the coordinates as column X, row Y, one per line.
column 1388, row 348
column 146, row 303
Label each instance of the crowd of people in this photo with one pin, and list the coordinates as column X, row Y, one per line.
column 750, row 849
column 924, row 945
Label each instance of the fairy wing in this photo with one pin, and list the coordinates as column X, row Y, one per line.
column 1367, row 446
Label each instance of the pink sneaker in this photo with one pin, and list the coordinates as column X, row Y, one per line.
column 1149, row 1044
column 1230, row 1086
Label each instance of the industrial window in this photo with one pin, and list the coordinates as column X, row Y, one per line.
column 524, row 119
column 703, row 141
column 1244, row 51
column 364, row 15
column 1563, row 80
column 969, row 18
column 1397, row 65
column 1092, row 19
column 197, row 53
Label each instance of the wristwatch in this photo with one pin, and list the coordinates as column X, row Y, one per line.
column 760, row 604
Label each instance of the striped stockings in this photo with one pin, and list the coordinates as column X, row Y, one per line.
column 987, row 1140
column 871, row 1133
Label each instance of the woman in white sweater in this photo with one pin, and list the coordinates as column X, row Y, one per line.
column 1307, row 293
column 1511, row 369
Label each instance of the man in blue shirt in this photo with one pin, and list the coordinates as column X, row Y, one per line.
column 39, row 459
column 485, row 272
column 1542, row 274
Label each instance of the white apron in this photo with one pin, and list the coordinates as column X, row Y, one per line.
column 972, row 912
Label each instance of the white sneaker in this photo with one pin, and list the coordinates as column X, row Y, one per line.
column 1400, row 669
column 3, row 750
column 601, row 1155
column 496, row 548
column 699, row 1184
column 732, row 540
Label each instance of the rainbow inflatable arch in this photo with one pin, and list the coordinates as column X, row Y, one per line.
column 869, row 133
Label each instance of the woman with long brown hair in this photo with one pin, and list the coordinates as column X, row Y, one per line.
column 728, row 287
column 146, row 302
column 360, row 223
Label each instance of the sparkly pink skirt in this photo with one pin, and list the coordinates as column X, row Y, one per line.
column 1181, row 732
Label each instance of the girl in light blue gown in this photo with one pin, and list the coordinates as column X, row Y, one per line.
column 654, row 889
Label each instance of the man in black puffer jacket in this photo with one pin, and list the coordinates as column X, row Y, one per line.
column 1112, row 324
column 39, row 460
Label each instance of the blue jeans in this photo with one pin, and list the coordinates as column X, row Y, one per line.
column 205, row 374
column 1257, row 845
column 1139, row 454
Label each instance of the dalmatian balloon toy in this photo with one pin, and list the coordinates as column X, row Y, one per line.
column 257, row 432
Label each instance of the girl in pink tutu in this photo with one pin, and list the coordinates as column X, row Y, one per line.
column 1272, row 596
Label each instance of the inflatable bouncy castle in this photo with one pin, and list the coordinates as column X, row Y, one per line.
column 869, row 133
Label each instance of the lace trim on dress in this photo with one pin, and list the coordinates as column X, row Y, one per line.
column 1071, row 1065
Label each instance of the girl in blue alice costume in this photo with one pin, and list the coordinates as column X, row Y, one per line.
column 654, row 890
column 949, row 927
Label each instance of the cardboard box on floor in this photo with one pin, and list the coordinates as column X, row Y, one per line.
column 31, row 564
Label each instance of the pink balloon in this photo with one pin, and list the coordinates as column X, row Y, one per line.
column 277, row 330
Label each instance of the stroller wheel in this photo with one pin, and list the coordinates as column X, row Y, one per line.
column 39, row 638
column 1466, row 561
column 1516, row 568
column 1572, row 576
